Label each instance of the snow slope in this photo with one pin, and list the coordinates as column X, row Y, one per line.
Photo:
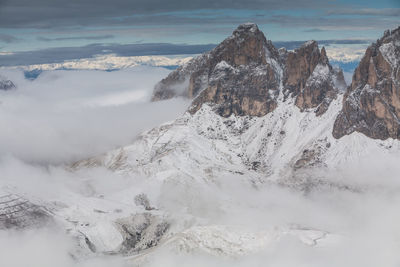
column 202, row 154
column 276, row 147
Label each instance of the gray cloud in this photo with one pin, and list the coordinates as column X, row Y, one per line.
column 169, row 18
column 59, row 13
column 314, row 30
column 99, row 37
column 295, row 44
column 395, row 12
column 6, row 38
column 329, row 22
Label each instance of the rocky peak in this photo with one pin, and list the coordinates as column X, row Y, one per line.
column 245, row 74
column 246, row 29
column 300, row 64
column 311, row 78
column 247, row 45
column 6, row 84
column 324, row 58
column 240, row 76
column 371, row 104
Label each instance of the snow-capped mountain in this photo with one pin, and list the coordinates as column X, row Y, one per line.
column 245, row 74
column 110, row 62
column 259, row 117
column 258, row 114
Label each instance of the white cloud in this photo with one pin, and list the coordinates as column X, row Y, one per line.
column 68, row 115
column 345, row 53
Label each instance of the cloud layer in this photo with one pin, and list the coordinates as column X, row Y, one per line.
column 67, row 115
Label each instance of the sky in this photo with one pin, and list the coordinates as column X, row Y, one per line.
column 51, row 26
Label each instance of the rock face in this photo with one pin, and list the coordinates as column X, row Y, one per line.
column 245, row 74
column 6, row 84
column 240, row 75
column 17, row 212
column 371, row 104
column 141, row 231
column 311, row 78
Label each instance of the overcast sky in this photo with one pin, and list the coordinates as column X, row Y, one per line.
column 27, row 25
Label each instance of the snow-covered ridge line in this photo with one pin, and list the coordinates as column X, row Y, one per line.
column 110, row 62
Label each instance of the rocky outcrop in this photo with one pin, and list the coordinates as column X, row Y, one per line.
column 311, row 78
column 17, row 213
column 241, row 76
column 371, row 104
column 6, row 84
column 141, row 231
column 245, row 74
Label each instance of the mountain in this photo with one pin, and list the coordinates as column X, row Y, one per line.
column 260, row 117
column 245, row 74
column 371, row 104
column 105, row 62
column 6, row 84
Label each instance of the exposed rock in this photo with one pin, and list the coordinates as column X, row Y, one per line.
column 17, row 212
column 240, row 75
column 6, row 84
column 141, row 231
column 371, row 104
column 311, row 78
column 245, row 73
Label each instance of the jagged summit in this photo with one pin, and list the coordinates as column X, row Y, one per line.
column 246, row 45
column 371, row 104
column 6, row 84
column 246, row 29
column 245, row 74
column 311, row 78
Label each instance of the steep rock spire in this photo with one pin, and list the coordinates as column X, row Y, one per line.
column 371, row 104
column 311, row 78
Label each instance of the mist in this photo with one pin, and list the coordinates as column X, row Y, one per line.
column 64, row 116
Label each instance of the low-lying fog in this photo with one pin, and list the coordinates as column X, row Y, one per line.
column 65, row 116
column 68, row 115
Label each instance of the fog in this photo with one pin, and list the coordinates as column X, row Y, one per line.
column 69, row 115
column 65, row 116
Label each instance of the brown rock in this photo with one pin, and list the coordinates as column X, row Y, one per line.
column 244, row 74
column 237, row 76
column 311, row 78
column 371, row 104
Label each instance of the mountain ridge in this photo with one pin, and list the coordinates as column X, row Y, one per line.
column 240, row 82
column 244, row 74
